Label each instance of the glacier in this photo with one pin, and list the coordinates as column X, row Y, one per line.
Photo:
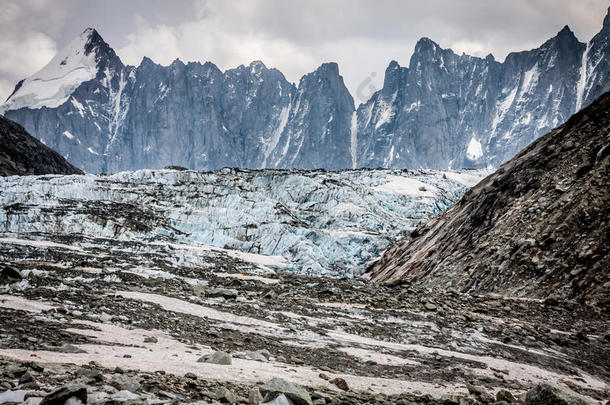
column 307, row 222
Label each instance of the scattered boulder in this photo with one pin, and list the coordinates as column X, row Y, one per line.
column 340, row 383
column 225, row 396
column 227, row 293
column 545, row 394
column 68, row 348
column 280, row 400
column 506, row 396
column 150, row 339
column 258, row 355
column 122, row 382
column 61, row 395
column 217, row 358
column 255, row 397
column 278, row 386
column 10, row 273
column 26, row 378
column 90, row 373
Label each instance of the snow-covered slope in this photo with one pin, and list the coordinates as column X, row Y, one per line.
column 53, row 84
column 312, row 222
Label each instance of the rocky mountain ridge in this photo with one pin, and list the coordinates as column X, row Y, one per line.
column 442, row 111
column 21, row 154
column 537, row 227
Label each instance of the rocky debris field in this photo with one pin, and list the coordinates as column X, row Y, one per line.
column 108, row 321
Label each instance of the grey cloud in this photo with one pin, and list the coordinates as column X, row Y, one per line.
column 297, row 36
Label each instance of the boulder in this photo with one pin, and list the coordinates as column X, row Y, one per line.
column 280, row 400
column 10, row 273
column 61, row 395
column 225, row 396
column 227, row 293
column 545, row 394
column 217, row 358
column 278, row 386
column 340, row 383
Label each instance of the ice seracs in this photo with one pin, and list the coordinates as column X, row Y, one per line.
column 310, row 222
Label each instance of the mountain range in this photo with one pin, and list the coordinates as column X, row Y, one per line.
column 443, row 111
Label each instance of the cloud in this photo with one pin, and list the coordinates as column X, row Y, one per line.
column 26, row 44
column 293, row 36
column 362, row 36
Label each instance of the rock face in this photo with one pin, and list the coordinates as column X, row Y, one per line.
column 21, row 154
column 192, row 115
column 442, row 111
column 538, row 226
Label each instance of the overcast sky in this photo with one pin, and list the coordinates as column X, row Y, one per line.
column 293, row 36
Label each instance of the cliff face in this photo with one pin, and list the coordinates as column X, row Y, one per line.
column 536, row 227
column 443, row 111
column 449, row 111
column 21, row 154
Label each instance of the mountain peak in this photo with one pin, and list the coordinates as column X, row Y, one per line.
column 606, row 23
column 566, row 31
column 328, row 68
column 566, row 34
column 425, row 44
column 73, row 65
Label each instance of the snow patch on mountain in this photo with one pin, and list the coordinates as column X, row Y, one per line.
column 474, row 150
column 54, row 84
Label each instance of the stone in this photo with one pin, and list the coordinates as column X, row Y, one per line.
column 340, row 383
column 277, row 386
column 68, row 348
column 258, row 355
column 546, row 394
column 228, row 293
column 63, row 394
column 225, row 396
column 191, row 376
column 254, row 396
column 10, row 273
column 280, row 400
column 123, row 382
column 90, row 373
column 26, row 378
column 504, row 395
column 150, row 339
column 217, row 358
column 430, row 306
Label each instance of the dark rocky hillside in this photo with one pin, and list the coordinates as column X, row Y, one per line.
column 537, row 227
column 22, row 154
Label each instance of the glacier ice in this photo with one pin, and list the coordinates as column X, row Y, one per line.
column 310, row 222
